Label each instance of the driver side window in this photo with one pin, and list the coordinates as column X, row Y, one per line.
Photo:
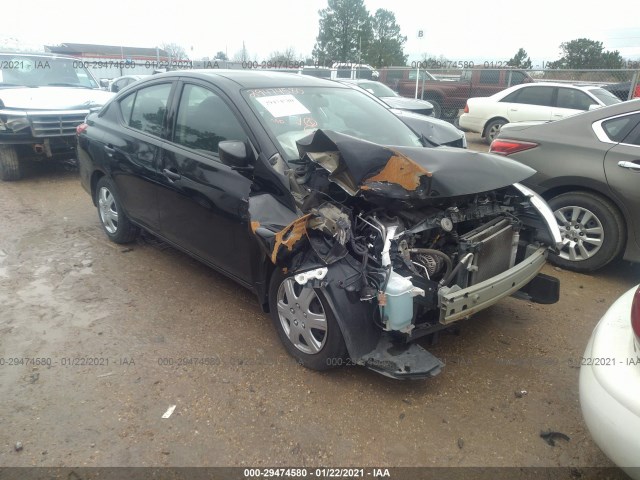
column 204, row 120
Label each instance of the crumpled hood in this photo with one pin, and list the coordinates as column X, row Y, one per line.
column 406, row 103
column 53, row 98
column 408, row 173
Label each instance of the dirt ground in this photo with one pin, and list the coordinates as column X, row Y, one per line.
column 103, row 330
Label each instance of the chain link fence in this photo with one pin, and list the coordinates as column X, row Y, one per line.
column 449, row 89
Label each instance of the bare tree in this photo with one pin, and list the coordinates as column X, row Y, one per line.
column 175, row 51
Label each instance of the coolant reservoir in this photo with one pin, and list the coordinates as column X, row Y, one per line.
column 399, row 308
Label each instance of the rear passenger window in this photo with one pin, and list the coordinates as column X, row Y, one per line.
column 204, row 120
column 618, row 128
column 574, row 99
column 489, row 77
column 149, row 108
column 516, row 78
column 536, row 96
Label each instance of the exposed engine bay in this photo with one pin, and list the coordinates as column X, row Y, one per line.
column 413, row 248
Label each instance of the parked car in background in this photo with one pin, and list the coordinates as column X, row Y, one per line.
column 588, row 169
column 622, row 90
column 434, row 131
column 448, row 96
column 354, row 236
column 392, row 99
column 119, row 83
column 610, row 383
column 43, row 98
column 530, row 102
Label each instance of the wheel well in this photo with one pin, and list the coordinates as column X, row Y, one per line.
column 484, row 129
column 432, row 96
column 95, row 177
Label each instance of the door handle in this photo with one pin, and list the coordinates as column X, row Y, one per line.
column 631, row 165
column 513, row 109
column 172, row 176
column 110, row 151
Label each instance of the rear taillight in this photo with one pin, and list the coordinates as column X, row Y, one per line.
column 636, row 92
column 635, row 314
column 81, row 128
column 466, row 108
column 508, row 147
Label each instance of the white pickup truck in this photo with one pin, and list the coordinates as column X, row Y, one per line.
column 43, row 98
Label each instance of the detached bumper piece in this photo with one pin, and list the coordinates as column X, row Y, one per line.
column 403, row 361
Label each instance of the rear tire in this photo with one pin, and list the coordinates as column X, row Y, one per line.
column 114, row 221
column 305, row 323
column 10, row 165
column 493, row 129
column 592, row 228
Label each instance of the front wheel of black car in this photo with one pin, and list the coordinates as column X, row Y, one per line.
column 592, row 229
column 305, row 323
column 114, row 222
column 10, row 168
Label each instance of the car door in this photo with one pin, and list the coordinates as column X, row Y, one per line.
column 132, row 148
column 530, row 103
column 204, row 203
column 622, row 165
column 570, row 101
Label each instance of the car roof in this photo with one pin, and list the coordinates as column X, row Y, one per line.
column 253, row 79
column 557, row 84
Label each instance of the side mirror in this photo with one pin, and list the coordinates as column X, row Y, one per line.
column 594, row 106
column 104, row 83
column 233, row 153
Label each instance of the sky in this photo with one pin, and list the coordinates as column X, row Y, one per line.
column 464, row 30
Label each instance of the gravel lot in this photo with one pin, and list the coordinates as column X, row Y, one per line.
column 115, row 323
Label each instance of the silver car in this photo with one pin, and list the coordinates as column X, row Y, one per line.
column 589, row 172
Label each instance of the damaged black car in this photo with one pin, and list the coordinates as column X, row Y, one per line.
column 355, row 234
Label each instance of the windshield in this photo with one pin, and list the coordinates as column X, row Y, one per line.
column 34, row 71
column 378, row 89
column 604, row 96
column 292, row 113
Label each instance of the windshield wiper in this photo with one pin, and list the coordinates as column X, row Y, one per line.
column 64, row 84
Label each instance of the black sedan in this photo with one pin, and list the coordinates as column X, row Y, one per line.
column 393, row 99
column 354, row 236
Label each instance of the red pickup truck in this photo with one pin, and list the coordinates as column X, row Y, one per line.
column 449, row 96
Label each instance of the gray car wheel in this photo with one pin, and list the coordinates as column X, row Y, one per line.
column 305, row 323
column 493, row 129
column 592, row 229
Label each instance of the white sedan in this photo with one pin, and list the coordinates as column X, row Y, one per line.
column 530, row 102
column 610, row 383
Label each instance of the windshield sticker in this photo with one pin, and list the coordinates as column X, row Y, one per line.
column 283, row 105
column 266, row 92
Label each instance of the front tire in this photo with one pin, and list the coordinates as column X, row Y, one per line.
column 493, row 129
column 305, row 323
column 437, row 108
column 593, row 231
column 114, row 221
column 10, row 165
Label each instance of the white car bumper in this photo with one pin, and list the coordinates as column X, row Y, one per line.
column 471, row 124
column 610, row 387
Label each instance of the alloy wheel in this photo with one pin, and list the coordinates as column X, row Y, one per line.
column 582, row 233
